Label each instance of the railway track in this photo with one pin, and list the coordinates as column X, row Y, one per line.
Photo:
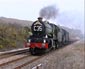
column 29, row 62
column 33, row 60
column 18, row 59
column 13, row 52
column 11, row 56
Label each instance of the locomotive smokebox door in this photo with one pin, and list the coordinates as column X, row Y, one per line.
column 38, row 29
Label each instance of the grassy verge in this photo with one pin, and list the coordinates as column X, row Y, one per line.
column 11, row 34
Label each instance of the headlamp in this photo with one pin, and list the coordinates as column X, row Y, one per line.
column 29, row 40
column 44, row 41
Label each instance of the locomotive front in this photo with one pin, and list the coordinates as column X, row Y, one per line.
column 39, row 40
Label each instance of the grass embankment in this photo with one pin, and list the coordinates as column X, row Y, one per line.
column 11, row 34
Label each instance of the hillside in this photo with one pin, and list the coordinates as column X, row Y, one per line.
column 13, row 32
column 15, row 21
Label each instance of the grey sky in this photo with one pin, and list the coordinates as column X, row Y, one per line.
column 29, row 9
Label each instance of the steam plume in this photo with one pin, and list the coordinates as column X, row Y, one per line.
column 49, row 12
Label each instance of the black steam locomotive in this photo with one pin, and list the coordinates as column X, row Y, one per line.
column 46, row 36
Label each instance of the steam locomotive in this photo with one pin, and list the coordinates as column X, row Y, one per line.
column 46, row 36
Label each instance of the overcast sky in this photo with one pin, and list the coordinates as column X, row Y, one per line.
column 29, row 9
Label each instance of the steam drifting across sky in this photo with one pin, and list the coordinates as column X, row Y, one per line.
column 49, row 12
